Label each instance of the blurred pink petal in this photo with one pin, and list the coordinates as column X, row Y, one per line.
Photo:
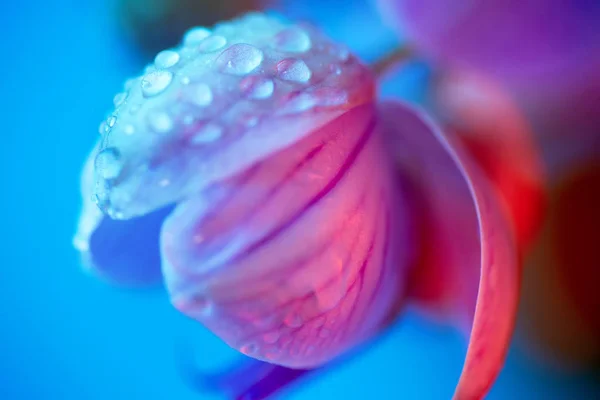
column 548, row 52
column 495, row 131
column 470, row 255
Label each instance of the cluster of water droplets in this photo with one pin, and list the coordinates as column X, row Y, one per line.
column 217, row 85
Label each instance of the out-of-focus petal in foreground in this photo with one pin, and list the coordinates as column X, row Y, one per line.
column 304, row 215
column 546, row 52
column 469, row 270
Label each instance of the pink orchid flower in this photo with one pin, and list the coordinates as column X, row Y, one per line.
column 290, row 212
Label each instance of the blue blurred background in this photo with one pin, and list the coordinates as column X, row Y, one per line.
column 67, row 335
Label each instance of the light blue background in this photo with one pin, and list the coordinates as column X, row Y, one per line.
column 64, row 334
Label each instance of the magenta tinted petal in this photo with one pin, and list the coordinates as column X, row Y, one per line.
column 300, row 257
column 471, row 256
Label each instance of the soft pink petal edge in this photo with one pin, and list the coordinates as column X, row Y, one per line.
column 499, row 280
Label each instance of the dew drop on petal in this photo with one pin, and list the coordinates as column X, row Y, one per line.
column 293, row 70
column 195, row 35
column 293, row 321
column 160, row 122
column 212, row 43
column 208, row 133
column 103, row 128
column 257, row 87
column 164, row 182
column 249, row 349
column 166, row 59
column 240, row 59
column 293, row 40
column 111, row 121
column 202, row 95
column 108, row 163
column 154, row 83
column 335, row 69
column 119, row 99
column 298, row 104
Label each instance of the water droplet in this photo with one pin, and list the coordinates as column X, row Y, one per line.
column 249, row 349
column 293, row 321
column 196, row 306
column 111, row 121
column 119, row 99
column 185, row 80
column 212, row 43
column 271, row 337
column 335, row 69
column 108, row 163
column 330, row 97
column 202, row 95
column 294, row 70
column 128, row 129
column 160, row 122
column 341, row 52
column 156, row 82
column 240, row 59
column 257, row 87
column 164, row 182
column 293, row 40
column 103, row 128
column 195, row 35
column 209, row 133
column 298, row 104
column 166, row 59
column 115, row 214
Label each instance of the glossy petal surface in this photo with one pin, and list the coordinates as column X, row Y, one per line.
column 470, row 255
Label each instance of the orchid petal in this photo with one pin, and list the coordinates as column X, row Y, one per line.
column 470, row 249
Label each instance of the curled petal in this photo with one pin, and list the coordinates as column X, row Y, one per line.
column 300, row 257
column 470, row 255
column 288, row 235
column 125, row 253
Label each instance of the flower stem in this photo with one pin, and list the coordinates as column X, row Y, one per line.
column 392, row 59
